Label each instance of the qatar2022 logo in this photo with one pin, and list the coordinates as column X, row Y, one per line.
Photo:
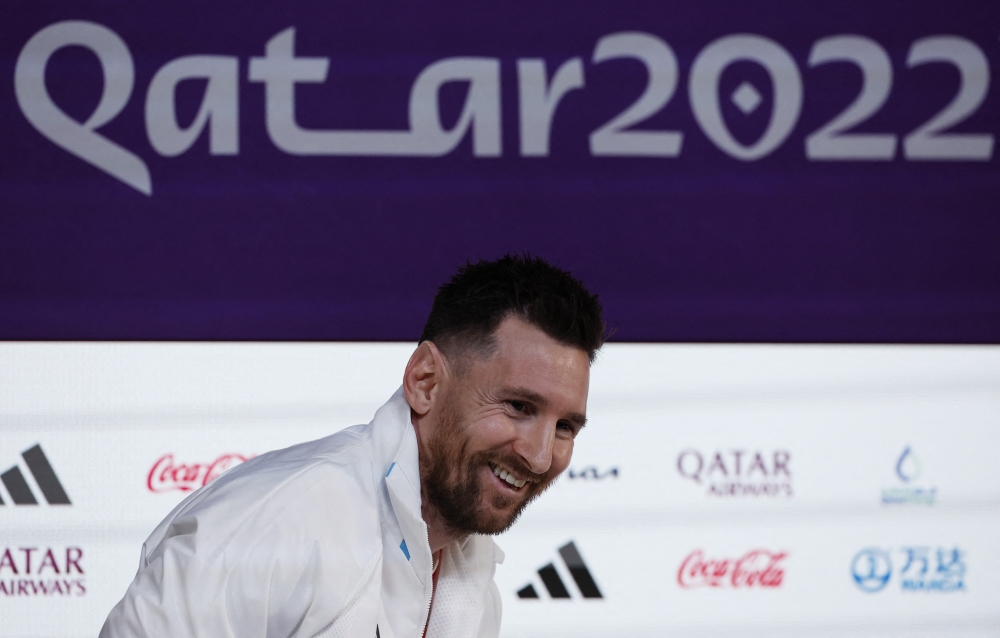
column 924, row 569
column 909, row 470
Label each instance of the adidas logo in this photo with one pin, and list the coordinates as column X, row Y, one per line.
column 45, row 478
column 554, row 583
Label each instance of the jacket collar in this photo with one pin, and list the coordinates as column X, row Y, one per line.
column 396, row 448
column 402, row 480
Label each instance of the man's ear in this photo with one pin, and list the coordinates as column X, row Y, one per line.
column 426, row 374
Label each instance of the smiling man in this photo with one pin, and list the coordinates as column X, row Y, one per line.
column 383, row 529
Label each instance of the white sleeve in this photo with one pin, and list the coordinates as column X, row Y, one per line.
column 242, row 564
column 264, row 589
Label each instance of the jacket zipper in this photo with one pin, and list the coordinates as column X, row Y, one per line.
column 430, row 579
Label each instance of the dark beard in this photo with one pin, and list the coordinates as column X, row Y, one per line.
column 450, row 481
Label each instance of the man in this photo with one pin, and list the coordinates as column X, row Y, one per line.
column 382, row 530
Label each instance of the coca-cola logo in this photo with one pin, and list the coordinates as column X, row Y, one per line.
column 167, row 475
column 756, row 568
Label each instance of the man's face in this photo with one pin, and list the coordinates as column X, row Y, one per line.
column 505, row 429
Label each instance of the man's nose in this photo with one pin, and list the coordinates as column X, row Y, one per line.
column 534, row 444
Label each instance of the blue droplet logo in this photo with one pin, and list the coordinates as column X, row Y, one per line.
column 908, row 466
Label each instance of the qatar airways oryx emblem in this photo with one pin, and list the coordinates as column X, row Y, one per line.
column 738, row 472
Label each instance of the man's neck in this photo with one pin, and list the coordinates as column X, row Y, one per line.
column 437, row 532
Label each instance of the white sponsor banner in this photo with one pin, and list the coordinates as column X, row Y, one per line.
column 759, row 489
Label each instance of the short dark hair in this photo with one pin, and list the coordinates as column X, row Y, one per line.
column 481, row 295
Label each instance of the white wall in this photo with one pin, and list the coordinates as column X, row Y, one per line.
column 838, row 417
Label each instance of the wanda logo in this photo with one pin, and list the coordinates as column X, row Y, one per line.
column 167, row 475
column 756, row 568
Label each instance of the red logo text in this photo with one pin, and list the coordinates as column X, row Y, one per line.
column 756, row 568
column 167, row 475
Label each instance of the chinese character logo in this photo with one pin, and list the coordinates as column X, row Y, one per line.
column 947, row 574
column 941, row 570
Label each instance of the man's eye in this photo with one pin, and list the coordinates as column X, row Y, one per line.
column 518, row 406
column 566, row 426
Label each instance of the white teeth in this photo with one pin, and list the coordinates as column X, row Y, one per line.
column 504, row 475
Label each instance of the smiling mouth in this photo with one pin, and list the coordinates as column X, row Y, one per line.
column 507, row 476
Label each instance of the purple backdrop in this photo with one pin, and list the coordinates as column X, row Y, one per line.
column 702, row 246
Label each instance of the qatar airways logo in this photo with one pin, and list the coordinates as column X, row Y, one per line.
column 167, row 475
column 42, row 571
column 738, row 473
column 758, row 568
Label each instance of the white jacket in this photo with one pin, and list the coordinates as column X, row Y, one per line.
column 321, row 539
